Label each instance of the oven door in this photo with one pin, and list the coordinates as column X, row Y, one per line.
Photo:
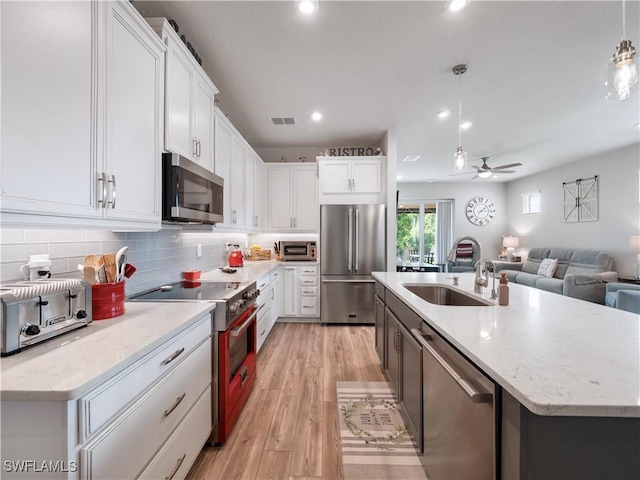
column 237, row 367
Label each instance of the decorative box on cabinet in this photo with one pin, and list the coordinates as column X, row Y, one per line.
column 293, row 198
column 351, row 179
column 104, row 139
column 189, row 100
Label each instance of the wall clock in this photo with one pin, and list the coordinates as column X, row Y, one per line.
column 480, row 210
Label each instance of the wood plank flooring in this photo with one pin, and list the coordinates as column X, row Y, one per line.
column 289, row 427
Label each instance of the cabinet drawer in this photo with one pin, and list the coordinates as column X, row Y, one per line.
column 273, row 276
column 309, row 306
column 123, row 449
column 264, row 327
column 308, row 291
column 308, row 270
column 304, row 281
column 262, row 283
column 183, row 447
column 98, row 406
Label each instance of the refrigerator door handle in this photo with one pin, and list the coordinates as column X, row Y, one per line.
column 357, row 239
column 350, row 239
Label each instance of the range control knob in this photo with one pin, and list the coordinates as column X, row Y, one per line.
column 30, row 330
column 233, row 309
column 81, row 314
column 256, row 292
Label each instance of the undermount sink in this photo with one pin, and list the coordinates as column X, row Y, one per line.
column 443, row 295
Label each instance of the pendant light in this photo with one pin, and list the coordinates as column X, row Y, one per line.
column 622, row 72
column 460, row 157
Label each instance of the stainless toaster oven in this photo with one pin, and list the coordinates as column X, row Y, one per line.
column 298, row 251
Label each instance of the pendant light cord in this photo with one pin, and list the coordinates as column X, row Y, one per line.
column 624, row 20
column 459, row 110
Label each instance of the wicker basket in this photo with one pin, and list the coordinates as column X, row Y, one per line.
column 264, row 254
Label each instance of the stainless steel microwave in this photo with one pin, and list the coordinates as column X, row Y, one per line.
column 298, row 251
column 190, row 193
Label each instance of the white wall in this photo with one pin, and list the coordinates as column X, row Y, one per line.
column 489, row 235
column 619, row 207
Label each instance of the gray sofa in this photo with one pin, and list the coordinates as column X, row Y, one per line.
column 580, row 273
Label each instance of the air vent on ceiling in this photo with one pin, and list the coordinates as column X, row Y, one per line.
column 283, row 120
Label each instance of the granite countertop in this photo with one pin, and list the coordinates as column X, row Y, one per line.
column 68, row 366
column 556, row 355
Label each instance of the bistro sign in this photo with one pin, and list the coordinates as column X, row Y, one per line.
column 353, row 151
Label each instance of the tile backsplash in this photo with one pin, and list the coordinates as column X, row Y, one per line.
column 159, row 257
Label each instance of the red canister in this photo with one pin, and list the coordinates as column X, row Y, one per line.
column 107, row 300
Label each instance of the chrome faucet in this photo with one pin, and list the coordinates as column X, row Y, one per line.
column 480, row 282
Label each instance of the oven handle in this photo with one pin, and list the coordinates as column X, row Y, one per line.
column 238, row 330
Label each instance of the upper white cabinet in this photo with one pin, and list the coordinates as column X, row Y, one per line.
column 351, row 179
column 293, row 197
column 87, row 104
column 189, row 100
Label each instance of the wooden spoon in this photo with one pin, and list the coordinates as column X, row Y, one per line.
column 91, row 261
column 90, row 275
column 109, row 260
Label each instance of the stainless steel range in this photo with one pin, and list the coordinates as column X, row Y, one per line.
column 234, row 346
column 35, row 311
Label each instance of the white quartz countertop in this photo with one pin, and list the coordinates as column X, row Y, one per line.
column 250, row 272
column 66, row 367
column 556, row 355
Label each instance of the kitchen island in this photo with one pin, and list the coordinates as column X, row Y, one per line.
column 568, row 373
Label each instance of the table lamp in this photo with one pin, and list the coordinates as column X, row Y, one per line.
column 634, row 246
column 510, row 243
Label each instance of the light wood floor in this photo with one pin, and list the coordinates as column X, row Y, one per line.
column 289, row 427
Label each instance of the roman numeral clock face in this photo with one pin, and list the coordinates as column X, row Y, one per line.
column 480, row 210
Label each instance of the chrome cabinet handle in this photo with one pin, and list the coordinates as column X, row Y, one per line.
column 176, row 468
column 350, row 239
column 475, row 395
column 199, row 148
column 272, row 294
column 113, row 190
column 357, row 237
column 172, row 357
column 102, row 179
column 195, row 147
column 175, row 404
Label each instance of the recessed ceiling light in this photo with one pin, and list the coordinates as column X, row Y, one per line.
column 465, row 125
column 308, row 7
column 431, row 180
column 457, row 5
column 443, row 114
column 411, row 158
column 399, row 177
column 316, row 116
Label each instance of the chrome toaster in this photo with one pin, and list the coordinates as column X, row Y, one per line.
column 35, row 311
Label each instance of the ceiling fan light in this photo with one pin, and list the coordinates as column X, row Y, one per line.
column 457, row 5
column 308, row 7
column 485, row 174
column 459, row 160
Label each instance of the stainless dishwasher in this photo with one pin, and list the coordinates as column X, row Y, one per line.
column 459, row 413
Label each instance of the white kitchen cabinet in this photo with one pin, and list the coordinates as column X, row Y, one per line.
column 301, row 293
column 189, row 100
column 254, row 181
column 264, row 305
column 275, row 284
column 236, row 184
column 293, row 198
column 92, row 122
column 351, row 179
column 290, row 291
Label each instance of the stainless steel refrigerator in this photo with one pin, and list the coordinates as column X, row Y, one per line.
column 352, row 245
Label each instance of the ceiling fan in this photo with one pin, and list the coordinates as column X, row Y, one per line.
column 485, row 171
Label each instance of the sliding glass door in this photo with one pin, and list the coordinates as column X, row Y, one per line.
column 421, row 227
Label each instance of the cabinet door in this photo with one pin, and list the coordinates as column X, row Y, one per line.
column 305, row 202
column 258, row 193
column 393, row 351
column 290, row 292
column 380, row 332
column 48, row 144
column 202, row 125
column 280, row 197
column 236, row 195
column 335, row 176
column 276, row 295
column 134, row 71
column 178, row 137
column 249, row 186
column 365, row 176
column 411, row 382
column 222, row 160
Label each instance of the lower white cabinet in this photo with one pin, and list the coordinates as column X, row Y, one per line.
column 301, row 293
column 275, row 282
column 149, row 420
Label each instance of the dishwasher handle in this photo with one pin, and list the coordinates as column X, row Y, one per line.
column 472, row 392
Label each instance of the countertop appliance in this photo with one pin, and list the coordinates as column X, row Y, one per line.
column 35, row 311
column 190, row 193
column 352, row 245
column 299, row 251
column 235, row 257
column 234, row 346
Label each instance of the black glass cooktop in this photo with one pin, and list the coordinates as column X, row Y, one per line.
column 205, row 291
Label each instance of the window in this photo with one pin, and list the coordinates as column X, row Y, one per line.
column 416, row 232
column 530, row 203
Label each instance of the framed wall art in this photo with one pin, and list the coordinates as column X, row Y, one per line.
column 581, row 200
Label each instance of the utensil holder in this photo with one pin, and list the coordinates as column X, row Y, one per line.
column 107, row 300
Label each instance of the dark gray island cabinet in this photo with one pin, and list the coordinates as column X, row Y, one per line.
column 541, row 426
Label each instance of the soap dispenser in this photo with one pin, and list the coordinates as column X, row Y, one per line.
column 503, row 290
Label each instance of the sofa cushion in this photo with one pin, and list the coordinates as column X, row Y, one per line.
column 589, row 261
column 564, row 259
column 534, row 259
column 549, row 284
column 548, row 267
column 528, row 279
column 511, row 274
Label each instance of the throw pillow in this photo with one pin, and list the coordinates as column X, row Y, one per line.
column 548, row 267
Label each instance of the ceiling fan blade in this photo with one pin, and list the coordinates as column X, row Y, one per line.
column 461, row 173
column 477, row 176
column 476, row 167
column 509, row 165
column 505, row 171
